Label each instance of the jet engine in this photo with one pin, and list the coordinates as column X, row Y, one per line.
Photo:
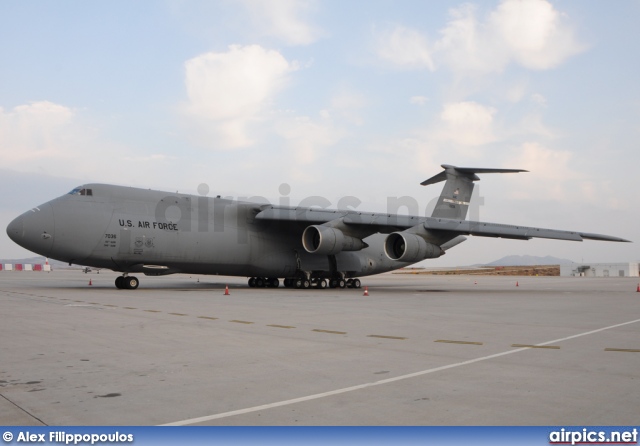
column 408, row 247
column 325, row 240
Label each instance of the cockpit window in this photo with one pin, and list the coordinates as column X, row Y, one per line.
column 81, row 191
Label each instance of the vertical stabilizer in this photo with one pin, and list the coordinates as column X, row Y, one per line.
column 456, row 193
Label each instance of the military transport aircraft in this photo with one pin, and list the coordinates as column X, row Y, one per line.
column 156, row 233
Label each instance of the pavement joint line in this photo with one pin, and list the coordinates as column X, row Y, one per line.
column 329, row 331
column 24, row 410
column 447, row 341
column 556, row 347
column 179, row 314
column 280, row 326
column 130, row 308
column 386, row 337
column 153, row 311
column 381, row 382
column 241, row 322
column 207, row 317
column 628, row 350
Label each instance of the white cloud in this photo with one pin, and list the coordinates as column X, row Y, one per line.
column 404, row 47
column 531, row 33
column 284, row 19
column 33, row 131
column 537, row 98
column 305, row 137
column 554, row 178
column 418, row 100
column 467, row 46
column 229, row 89
column 347, row 105
column 534, row 33
column 467, row 123
column 516, row 91
column 56, row 140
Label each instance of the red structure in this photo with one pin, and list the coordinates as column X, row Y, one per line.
column 18, row 267
column 37, row 267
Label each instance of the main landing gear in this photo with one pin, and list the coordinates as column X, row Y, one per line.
column 304, row 283
column 127, row 282
column 261, row 282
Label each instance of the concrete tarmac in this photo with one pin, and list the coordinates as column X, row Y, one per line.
column 419, row 350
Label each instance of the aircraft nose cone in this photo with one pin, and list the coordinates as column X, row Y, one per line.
column 15, row 230
column 34, row 230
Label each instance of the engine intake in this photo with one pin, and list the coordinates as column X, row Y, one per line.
column 407, row 247
column 328, row 241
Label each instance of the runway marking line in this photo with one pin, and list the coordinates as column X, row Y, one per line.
column 556, row 347
column 381, row 382
column 241, row 322
column 329, row 331
column 446, row 341
column 386, row 337
column 628, row 350
column 280, row 326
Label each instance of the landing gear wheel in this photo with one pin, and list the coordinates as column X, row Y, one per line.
column 322, row 284
column 357, row 283
column 119, row 282
column 298, row 283
column 259, row 282
column 333, row 283
column 131, row 283
column 252, row 282
column 349, row 283
column 306, row 284
column 342, row 283
column 288, row 283
column 273, row 282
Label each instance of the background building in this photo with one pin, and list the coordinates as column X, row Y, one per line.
column 600, row 269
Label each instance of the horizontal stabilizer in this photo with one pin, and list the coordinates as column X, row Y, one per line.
column 467, row 172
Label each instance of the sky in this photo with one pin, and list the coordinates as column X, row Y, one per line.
column 333, row 99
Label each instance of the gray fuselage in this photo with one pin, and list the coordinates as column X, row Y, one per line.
column 137, row 230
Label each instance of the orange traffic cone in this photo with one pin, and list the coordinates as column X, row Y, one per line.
column 366, row 291
column 90, row 284
column 226, row 290
column 517, row 284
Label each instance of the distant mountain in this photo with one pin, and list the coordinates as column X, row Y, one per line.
column 529, row 261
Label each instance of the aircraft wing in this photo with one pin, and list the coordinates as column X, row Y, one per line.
column 371, row 223
column 484, row 229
